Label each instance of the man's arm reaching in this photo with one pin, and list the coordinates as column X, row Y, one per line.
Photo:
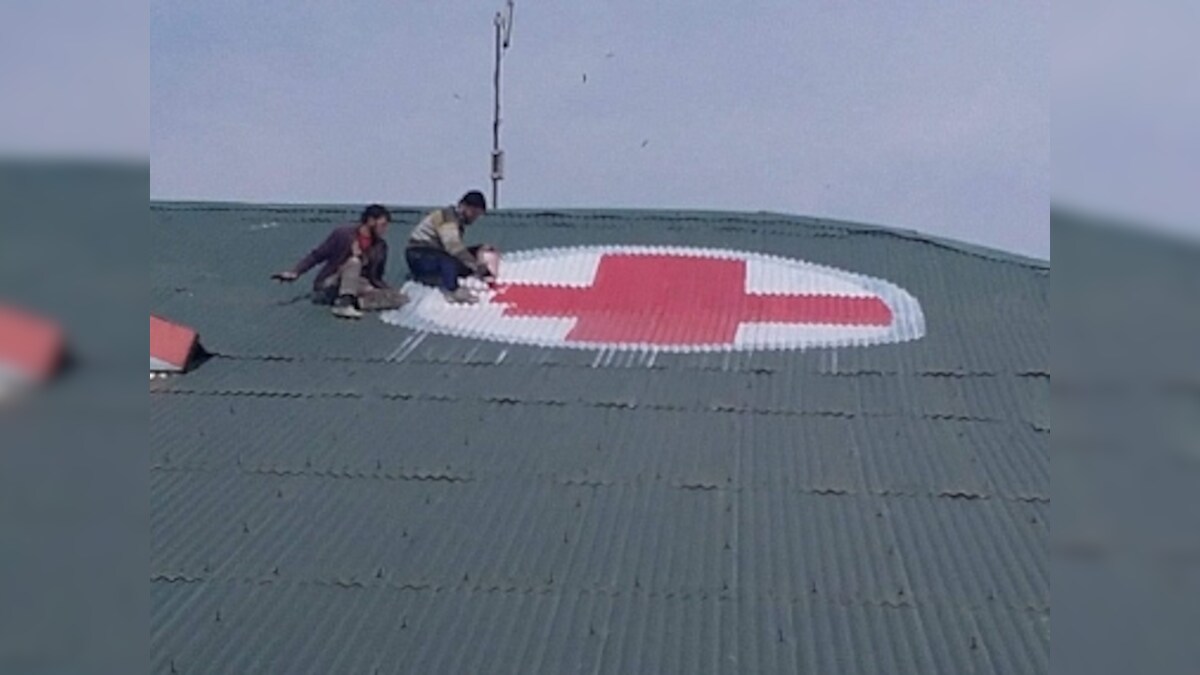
column 316, row 256
column 453, row 243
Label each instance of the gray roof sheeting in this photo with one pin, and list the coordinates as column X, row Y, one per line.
column 859, row 510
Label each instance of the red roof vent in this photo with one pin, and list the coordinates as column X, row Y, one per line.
column 174, row 348
column 31, row 348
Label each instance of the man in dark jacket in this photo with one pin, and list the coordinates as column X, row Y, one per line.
column 354, row 257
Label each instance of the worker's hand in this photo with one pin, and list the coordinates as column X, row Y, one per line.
column 286, row 277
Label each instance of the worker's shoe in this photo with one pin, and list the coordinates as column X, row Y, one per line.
column 460, row 296
column 344, row 308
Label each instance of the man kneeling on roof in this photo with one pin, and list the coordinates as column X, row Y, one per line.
column 354, row 257
column 437, row 255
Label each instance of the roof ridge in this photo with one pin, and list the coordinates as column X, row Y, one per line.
column 663, row 214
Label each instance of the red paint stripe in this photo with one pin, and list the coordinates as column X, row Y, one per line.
column 838, row 310
column 669, row 299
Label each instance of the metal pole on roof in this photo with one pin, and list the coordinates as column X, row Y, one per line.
column 503, row 23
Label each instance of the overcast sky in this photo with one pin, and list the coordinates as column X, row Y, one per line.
column 1126, row 97
column 920, row 114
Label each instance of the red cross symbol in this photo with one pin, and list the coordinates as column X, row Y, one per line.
column 673, row 299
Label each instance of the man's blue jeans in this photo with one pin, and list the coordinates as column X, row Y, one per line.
column 437, row 268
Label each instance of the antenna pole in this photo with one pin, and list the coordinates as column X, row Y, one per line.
column 503, row 25
column 496, row 121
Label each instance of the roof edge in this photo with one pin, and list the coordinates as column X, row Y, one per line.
column 976, row 250
column 979, row 250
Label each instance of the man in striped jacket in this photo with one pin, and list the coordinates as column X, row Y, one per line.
column 437, row 255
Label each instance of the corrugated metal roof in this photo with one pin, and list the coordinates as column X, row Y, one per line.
column 334, row 497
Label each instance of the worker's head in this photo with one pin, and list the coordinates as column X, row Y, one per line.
column 377, row 218
column 472, row 206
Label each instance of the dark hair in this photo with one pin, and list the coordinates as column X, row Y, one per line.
column 375, row 211
column 474, row 198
